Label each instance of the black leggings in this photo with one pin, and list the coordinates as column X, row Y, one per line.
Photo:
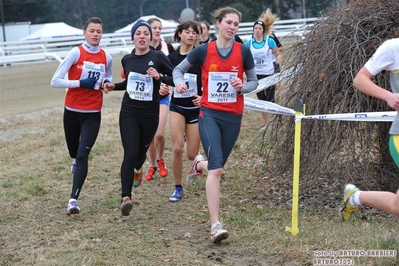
column 267, row 94
column 137, row 133
column 81, row 131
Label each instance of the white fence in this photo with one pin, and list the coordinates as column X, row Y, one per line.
column 38, row 50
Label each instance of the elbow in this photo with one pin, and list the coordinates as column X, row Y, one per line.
column 356, row 82
column 53, row 82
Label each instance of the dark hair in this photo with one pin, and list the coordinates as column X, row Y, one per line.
column 94, row 20
column 207, row 24
column 185, row 25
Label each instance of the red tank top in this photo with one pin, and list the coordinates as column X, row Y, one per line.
column 214, row 63
column 80, row 98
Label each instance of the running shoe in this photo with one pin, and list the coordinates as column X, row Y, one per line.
column 138, row 177
column 73, row 166
column 218, row 233
column 126, row 206
column 163, row 171
column 177, row 195
column 346, row 208
column 73, row 207
column 193, row 174
column 150, row 175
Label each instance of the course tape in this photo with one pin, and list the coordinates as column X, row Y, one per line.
column 274, row 79
column 269, row 107
column 387, row 116
column 265, row 106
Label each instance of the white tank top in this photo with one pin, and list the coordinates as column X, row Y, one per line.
column 263, row 58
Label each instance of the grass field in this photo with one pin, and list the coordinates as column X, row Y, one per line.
column 35, row 185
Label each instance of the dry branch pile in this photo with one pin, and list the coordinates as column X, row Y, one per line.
column 335, row 48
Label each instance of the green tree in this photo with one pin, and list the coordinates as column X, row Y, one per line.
column 27, row 10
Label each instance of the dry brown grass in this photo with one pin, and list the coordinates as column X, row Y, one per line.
column 35, row 185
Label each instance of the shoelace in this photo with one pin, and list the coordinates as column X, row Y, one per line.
column 344, row 207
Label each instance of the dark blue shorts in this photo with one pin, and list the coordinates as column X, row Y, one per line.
column 190, row 114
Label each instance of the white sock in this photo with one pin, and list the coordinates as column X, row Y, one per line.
column 354, row 200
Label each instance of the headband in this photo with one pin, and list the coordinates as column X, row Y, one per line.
column 260, row 22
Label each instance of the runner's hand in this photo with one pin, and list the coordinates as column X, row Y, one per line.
column 88, row 83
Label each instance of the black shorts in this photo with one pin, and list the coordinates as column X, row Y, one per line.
column 269, row 93
column 189, row 113
column 276, row 67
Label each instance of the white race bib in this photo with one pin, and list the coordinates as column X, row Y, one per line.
column 140, row 87
column 261, row 59
column 90, row 70
column 191, row 82
column 219, row 88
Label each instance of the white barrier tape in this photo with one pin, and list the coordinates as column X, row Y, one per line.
column 387, row 116
column 269, row 107
column 274, row 79
column 265, row 106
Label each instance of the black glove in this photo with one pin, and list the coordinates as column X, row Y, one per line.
column 88, row 83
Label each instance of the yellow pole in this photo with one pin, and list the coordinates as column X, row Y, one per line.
column 297, row 154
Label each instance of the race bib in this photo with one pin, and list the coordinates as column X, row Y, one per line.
column 219, row 88
column 259, row 59
column 140, row 87
column 92, row 70
column 191, row 82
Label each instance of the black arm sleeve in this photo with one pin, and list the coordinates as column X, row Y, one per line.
column 278, row 43
column 166, row 68
column 170, row 48
column 120, row 86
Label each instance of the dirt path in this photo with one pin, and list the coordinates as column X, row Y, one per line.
column 26, row 94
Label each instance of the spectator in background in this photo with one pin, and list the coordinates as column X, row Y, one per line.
column 88, row 67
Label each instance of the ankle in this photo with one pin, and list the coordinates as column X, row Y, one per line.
column 354, row 200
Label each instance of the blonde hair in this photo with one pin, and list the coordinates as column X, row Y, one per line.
column 268, row 18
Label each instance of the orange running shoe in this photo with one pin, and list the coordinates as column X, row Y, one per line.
column 150, row 175
column 163, row 171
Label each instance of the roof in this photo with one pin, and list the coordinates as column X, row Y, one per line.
column 166, row 24
column 54, row 30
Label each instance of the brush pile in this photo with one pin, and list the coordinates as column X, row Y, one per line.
column 335, row 48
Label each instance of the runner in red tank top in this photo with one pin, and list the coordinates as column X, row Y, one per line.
column 88, row 67
column 223, row 63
